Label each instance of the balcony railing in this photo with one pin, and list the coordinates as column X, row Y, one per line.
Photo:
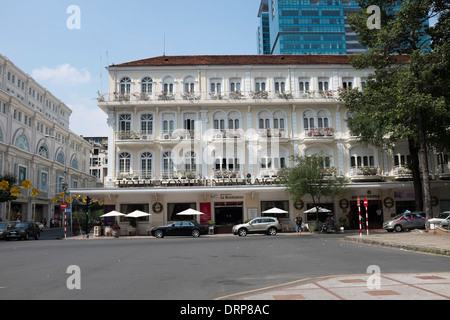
column 319, row 132
column 134, row 134
column 250, row 95
column 272, row 133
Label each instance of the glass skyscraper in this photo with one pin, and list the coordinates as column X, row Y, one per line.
column 307, row 27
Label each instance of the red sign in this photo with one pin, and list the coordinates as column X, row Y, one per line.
column 366, row 203
column 63, row 206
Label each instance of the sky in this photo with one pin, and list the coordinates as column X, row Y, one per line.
column 68, row 56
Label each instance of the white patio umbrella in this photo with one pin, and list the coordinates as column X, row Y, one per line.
column 112, row 214
column 137, row 214
column 189, row 212
column 317, row 209
column 275, row 211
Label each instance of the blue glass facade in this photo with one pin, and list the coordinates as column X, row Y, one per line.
column 309, row 27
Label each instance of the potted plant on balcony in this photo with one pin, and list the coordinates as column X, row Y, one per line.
column 100, row 97
column 285, row 95
column 328, row 131
column 259, row 94
column 236, row 95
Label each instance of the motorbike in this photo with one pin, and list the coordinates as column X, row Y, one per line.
column 328, row 228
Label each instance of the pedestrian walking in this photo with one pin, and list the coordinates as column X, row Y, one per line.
column 298, row 224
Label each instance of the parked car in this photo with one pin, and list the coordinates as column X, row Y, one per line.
column 180, row 228
column 405, row 221
column 40, row 225
column 5, row 226
column 23, row 230
column 443, row 219
column 267, row 225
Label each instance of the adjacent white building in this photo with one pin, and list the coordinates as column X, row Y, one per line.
column 212, row 133
column 37, row 145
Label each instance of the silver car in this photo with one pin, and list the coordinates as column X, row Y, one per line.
column 267, row 225
column 443, row 219
column 405, row 221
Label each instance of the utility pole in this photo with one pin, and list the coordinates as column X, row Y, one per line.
column 88, row 205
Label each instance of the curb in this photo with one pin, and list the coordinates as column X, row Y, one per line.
column 401, row 246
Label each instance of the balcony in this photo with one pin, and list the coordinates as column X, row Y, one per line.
column 134, row 135
column 319, row 133
column 220, row 134
column 273, row 134
column 225, row 97
column 227, row 174
column 365, row 174
column 402, row 174
column 443, row 171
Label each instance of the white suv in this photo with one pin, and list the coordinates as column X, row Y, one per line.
column 267, row 225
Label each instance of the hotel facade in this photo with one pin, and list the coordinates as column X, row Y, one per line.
column 37, row 145
column 213, row 132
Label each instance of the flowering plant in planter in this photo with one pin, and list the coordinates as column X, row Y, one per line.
column 259, row 94
column 115, row 226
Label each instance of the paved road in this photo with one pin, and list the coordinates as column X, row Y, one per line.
column 192, row 269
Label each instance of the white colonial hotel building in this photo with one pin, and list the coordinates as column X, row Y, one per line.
column 212, row 133
column 36, row 144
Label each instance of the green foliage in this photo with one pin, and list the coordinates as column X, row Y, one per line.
column 308, row 177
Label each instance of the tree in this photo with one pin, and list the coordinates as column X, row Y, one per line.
column 311, row 176
column 406, row 97
column 7, row 181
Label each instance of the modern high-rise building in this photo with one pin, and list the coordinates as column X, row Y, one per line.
column 307, row 27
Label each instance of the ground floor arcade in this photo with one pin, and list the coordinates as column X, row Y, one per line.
column 227, row 206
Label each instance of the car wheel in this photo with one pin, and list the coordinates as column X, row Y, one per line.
column 272, row 231
column 195, row 233
column 36, row 237
column 242, row 232
column 159, row 234
column 398, row 228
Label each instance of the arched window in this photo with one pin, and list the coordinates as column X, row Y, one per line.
column 264, row 118
column 125, row 86
column 22, row 142
column 124, row 162
column 60, row 157
column 279, row 120
column 147, row 123
column 43, row 151
column 125, row 122
column 189, row 84
column 74, row 163
column 146, row 165
column 190, row 161
column 167, row 167
column 147, row 85
column 168, row 86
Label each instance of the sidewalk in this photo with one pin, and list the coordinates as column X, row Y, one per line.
column 405, row 286
column 417, row 240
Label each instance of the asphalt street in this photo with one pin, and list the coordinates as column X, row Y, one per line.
column 185, row 268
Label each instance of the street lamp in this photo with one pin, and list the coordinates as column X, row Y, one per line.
column 65, row 189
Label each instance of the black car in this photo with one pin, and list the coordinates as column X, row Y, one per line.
column 180, row 228
column 23, row 230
